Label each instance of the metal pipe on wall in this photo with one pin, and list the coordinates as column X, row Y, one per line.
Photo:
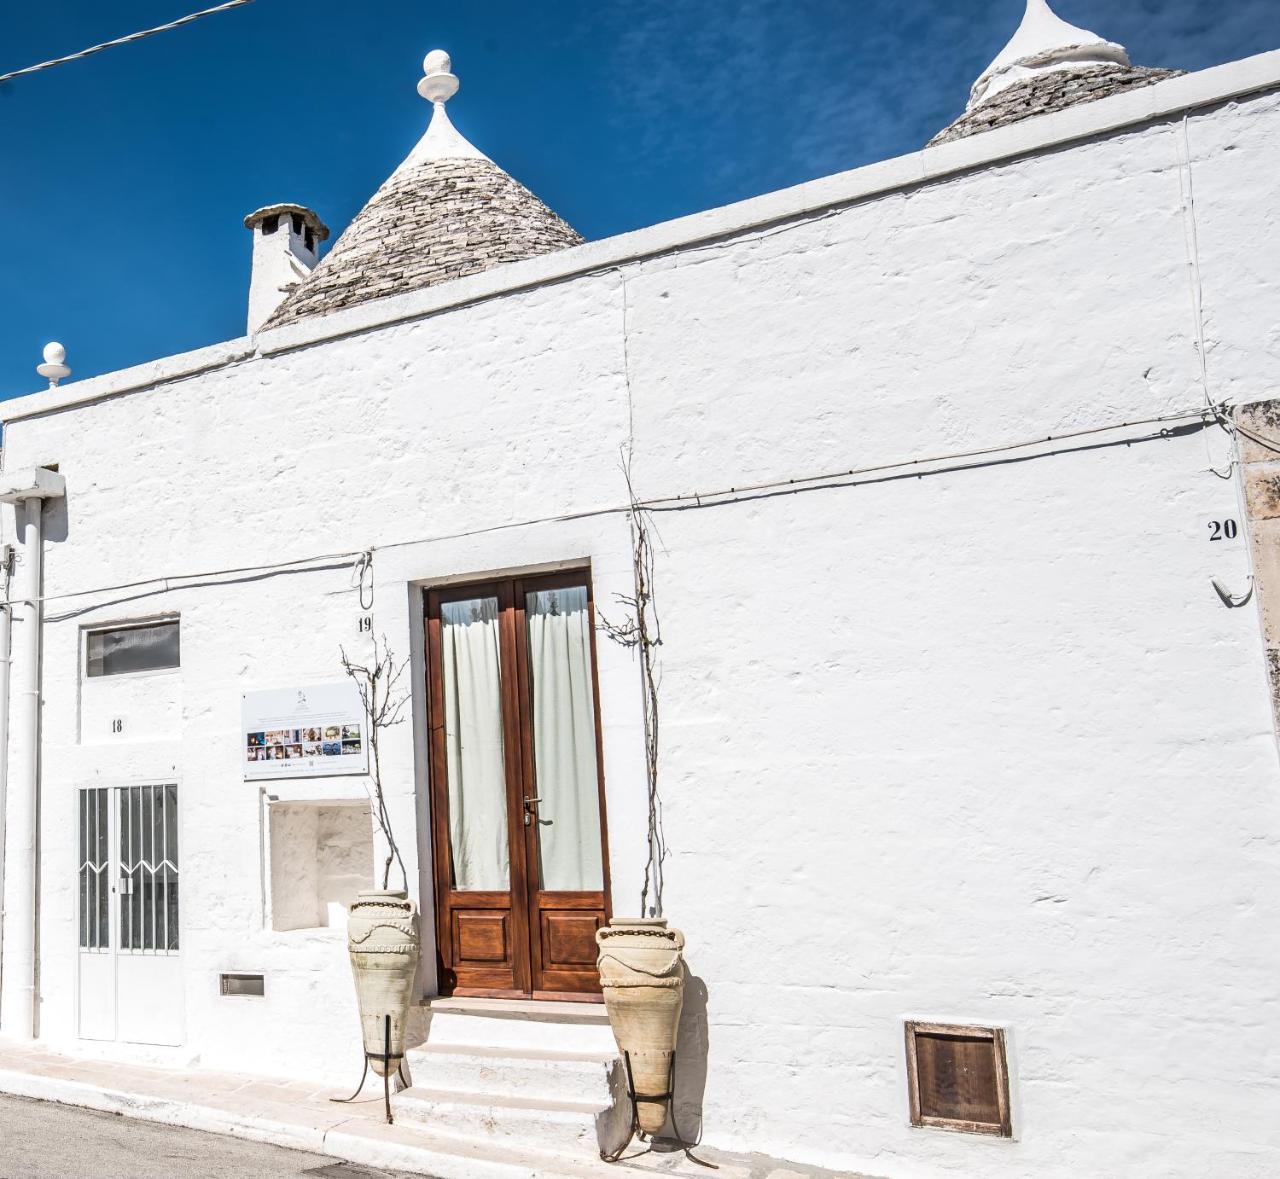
column 6, row 628
column 27, row 490
column 17, row 1012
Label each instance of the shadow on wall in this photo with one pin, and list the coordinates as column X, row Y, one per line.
column 57, row 522
column 691, row 1062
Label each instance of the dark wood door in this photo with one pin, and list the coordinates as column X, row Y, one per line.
column 517, row 805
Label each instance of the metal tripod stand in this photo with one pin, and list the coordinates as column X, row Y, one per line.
column 386, row 1058
column 669, row 1098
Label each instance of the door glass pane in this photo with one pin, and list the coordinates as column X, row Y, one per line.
column 564, row 739
column 472, row 675
column 171, row 868
column 149, row 868
column 93, row 870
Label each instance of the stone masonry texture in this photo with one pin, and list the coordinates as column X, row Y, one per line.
column 1049, row 92
column 441, row 220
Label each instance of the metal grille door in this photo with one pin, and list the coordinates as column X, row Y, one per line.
column 149, row 869
column 95, row 880
column 130, row 978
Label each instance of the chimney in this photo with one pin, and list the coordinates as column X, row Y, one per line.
column 286, row 248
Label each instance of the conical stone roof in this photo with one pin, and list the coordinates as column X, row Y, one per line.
column 1048, row 65
column 446, row 212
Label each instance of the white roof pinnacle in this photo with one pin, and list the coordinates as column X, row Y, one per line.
column 54, row 368
column 1044, row 42
column 442, row 140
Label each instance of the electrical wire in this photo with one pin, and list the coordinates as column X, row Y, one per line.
column 173, row 24
column 921, row 467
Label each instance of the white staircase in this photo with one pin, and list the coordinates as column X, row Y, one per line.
column 531, row 1076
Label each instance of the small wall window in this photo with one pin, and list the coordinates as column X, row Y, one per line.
column 246, row 985
column 123, row 649
column 958, row 1078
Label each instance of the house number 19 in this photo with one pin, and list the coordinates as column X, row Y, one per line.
column 365, row 625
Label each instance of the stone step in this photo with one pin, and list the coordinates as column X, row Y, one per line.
column 521, row 1024
column 511, row 1072
column 572, row 1129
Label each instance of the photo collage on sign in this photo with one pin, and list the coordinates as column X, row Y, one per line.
column 299, row 744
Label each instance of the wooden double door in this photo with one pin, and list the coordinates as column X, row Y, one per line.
column 518, row 823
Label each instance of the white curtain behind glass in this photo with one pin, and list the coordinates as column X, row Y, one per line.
column 473, row 744
column 564, row 739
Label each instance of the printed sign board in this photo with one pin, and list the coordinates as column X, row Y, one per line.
column 313, row 732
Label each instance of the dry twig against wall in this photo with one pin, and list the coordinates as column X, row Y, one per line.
column 384, row 703
column 643, row 631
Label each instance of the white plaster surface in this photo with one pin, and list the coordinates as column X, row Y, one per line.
column 281, row 260
column 321, row 857
column 1043, row 41
column 981, row 746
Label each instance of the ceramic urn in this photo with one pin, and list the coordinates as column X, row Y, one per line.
column 382, row 941
column 642, row 973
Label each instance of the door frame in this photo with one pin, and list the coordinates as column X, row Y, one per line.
column 521, row 900
column 114, row 787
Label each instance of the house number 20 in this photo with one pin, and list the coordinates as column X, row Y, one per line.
column 1222, row 530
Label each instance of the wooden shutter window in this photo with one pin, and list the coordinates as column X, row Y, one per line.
column 958, row 1078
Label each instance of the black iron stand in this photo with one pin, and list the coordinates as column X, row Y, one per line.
column 386, row 1058
column 669, row 1098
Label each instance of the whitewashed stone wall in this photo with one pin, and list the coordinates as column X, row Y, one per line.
column 983, row 746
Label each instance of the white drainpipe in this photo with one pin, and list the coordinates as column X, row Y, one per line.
column 26, row 490
column 6, row 559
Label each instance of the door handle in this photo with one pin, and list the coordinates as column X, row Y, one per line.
column 530, row 804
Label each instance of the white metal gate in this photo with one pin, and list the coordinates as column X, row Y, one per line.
column 130, row 978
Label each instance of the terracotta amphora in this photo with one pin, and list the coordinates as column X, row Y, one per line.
column 642, row 974
column 382, row 941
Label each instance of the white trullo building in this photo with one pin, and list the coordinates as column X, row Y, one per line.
column 956, row 488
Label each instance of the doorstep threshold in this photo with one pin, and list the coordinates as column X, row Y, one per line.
column 549, row 1010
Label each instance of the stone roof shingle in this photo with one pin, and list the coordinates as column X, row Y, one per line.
column 432, row 221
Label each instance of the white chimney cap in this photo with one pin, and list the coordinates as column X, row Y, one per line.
column 309, row 217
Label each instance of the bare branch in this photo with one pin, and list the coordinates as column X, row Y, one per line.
column 383, row 706
column 641, row 631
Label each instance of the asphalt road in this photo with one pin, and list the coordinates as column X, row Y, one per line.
column 44, row 1141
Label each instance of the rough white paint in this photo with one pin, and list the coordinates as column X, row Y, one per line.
column 1043, row 42
column 981, row 746
column 442, row 140
column 283, row 255
column 321, row 857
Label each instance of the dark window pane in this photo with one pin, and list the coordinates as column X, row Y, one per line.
column 134, row 648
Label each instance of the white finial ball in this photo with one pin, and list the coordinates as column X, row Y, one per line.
column 55, row 367
column 439, row 83
column 437, row 62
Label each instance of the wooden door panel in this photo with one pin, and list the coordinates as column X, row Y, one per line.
column 524, row 941
column 481, row 938
column 569, row 939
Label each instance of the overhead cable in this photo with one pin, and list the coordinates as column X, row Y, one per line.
column 138, row 36
column 914, row 467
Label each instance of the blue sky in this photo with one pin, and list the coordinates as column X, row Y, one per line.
column 126, row 176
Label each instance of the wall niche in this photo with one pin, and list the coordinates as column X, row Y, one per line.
column 321, row 856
